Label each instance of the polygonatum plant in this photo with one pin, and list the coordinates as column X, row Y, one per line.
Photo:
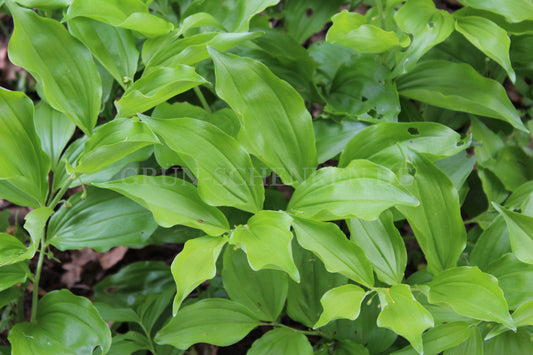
column 334, row 177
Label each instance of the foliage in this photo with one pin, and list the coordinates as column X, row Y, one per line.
column 406, row 224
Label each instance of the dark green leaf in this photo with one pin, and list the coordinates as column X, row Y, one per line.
column 440, row 338
column 270, row 110
column 13, row 274
column 263, row 292
column 114, row 220
column 215, row 321
column 65, row 324
column 281, row 341
column 46, row 56
column 510, row 343
column 473, row 345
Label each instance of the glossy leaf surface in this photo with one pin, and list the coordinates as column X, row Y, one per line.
column 341, row 302
column 281, row 341
column 520, row 231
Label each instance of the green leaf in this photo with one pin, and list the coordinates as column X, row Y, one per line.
column 263, row 292
column 489, row 38
column 440, row 338
column 112, row 142
column 270, row 110
column 513, row 10
column 132, row 282
column 384, row 141
column 23, row 177
column 331, row 137
column 510, row 343
column 214, row 321
column 514, row 278
column 77, row 94
column 471, row 293
column 114, row 220
column 113, row 46
column 156, row 87
column 12, row 250
column 110, row 313
column 172, row 49
column 303, row 299
column 437, row 222
column 266, row 240
column 129, row 343
column 235, row 15
column 523, row 316
column 281, row 341
column 128, row 14
column 361, row 190
column 341, row 302
column 13, row 274
column 382, row 244
column 338, row 254
column 521, row 233
column 491, row 244
column 522, row 198
column 65, row 324
column 428, row 27
column 54, row 129
column 473, row 345
column 36, row 224
column 172, row 201
column 44, row 4
column 401, row 313
column 350, row 30
column 195, row 264
column 303, row 18
column 458, row 87
column 224, row 169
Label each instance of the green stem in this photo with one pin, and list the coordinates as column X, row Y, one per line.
column 280, row 325
column 150, row 342
column 36, row 282
column 379, row 4
column 202, row 99
column 61, row 192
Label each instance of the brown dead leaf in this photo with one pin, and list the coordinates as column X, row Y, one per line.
column 109, row 259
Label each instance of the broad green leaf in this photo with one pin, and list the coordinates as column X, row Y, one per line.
column 341, row 302
column 112, row 142
column 383, row 141
column 382, row 244
column 458, row 87
column 512, row 166
column 270, row 110
column 65, row 324
column 436, row 222
column 489, row 38
column 131, row 283
column 224, row 169
column 303, row 18
column 281, row 341
column 510, row 343
column 473, row 345
column 110, row 313
column 401, row 313
column 172, row 50
column 303, row 299
column 428, row 27
column 200, row 19
column 521, row 233
column 331, row 137
column 12, row 250
column 266, row 240
column 263, row 292
column 361, row 190
column 514, row 278
column 23, row 176
column 36, row 224
column 113, row 46
column 156, row 87
column 491, row 244
column 114, row 220
column 458, row 167
column 214, row 321
column 172, row 201
column 440, row 338
column 471, row 293
column 513, row 10
column 350, row 30
column 129, row 14
column 44, row 4
column 54, row 129
column 338, row 254
column 129, row 343
column 75, row 91
column 13, row 274
column 523, row 316
column 195, row 264
column 522, row 198
column 235, row 15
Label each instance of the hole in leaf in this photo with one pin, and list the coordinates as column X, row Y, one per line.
column 460, row 143
column 413, row 131
column 309, row 12
column 431, row 25
column 364, row 98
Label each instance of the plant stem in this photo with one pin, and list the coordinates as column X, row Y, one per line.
column 202, row 99
column 150, row 342
column 280, row 325
column 379, row 4
column 61, row 192
column 36, row 282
